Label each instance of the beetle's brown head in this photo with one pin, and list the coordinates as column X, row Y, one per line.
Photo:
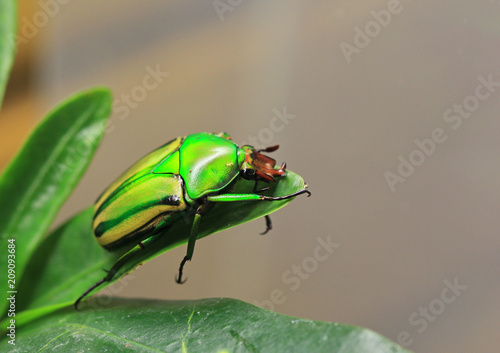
column 258, row 166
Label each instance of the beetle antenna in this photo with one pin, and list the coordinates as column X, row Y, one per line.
column 269, row 149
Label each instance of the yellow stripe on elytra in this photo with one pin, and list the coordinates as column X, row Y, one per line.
column 146, row 218
column 149, row 161
column 137, row 205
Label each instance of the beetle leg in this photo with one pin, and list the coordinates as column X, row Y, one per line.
column 117, row 266
column 269, row 225
column 255, row 186
column 255, row 197
column 87, row 292
column 108, row 277
column 255, row 190
column 277, row 198
column 191, row 242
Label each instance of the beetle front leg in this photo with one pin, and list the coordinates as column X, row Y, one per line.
column 191, row 242
column 255, row 197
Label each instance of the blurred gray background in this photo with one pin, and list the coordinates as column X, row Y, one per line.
column 388, row 109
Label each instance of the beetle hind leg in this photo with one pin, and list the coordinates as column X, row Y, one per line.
column 94, row 286
column 108, row 278
column 116, row 267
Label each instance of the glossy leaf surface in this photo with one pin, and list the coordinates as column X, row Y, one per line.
column 207, row 325
column 44, row 173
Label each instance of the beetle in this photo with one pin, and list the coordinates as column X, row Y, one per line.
column 186, row 175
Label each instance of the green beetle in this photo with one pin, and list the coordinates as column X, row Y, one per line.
column 186, row 175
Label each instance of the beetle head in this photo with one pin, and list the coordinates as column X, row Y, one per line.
column 258, row 166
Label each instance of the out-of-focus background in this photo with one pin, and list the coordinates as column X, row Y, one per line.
column 389, row 109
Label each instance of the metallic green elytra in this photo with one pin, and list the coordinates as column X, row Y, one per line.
column 188, row 174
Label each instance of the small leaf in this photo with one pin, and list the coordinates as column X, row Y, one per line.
column 41, row 177
column 8, row 22
column 207, row 325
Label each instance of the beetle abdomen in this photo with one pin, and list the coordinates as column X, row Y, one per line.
column 136, row 208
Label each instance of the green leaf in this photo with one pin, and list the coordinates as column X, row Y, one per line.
column 207, row 325
column 8, row 22
column 41, row 177
column 58, row 273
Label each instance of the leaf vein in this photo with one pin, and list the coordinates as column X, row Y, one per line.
column 82, row 327
column 184, row 348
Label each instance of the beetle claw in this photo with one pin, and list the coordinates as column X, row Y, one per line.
column 283, row 168
column 178, row 278
column 179, row 281
column 269, row 225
